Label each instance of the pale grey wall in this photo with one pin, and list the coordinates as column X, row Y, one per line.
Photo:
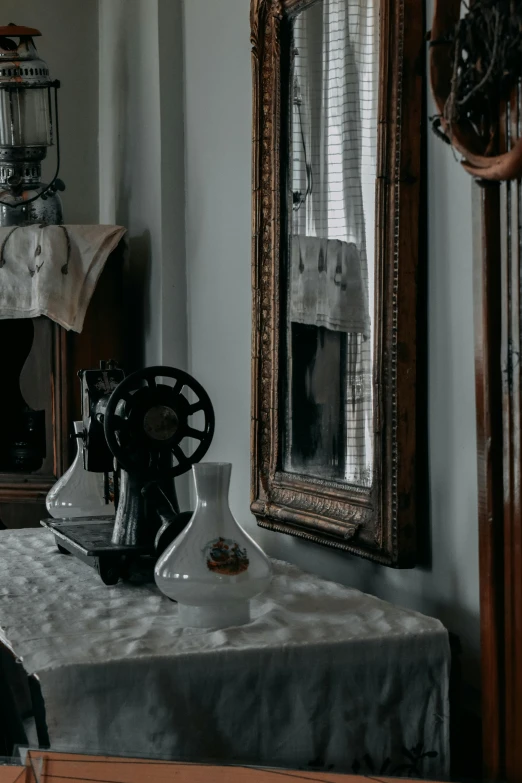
column 130, row 152
column 218, row 166
column 142, row 169
column 69, row 44
column 142, row 160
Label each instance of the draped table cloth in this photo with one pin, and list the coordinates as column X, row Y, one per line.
column 323, row 676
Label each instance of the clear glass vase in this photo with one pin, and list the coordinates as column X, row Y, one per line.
column 78, row 493
column 213, row 568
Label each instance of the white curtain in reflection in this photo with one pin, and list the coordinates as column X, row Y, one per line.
column 334, row 146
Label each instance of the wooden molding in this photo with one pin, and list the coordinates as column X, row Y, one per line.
column 498, row 323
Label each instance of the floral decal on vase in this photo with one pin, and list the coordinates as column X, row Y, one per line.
column 226, row 557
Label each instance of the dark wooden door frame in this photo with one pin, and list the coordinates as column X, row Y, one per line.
column 488, row 384
column 498, row 332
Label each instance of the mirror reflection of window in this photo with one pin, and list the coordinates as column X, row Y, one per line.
column 333, row 149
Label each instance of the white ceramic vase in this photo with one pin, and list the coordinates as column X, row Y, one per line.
column 213, row 568
column 78, row 493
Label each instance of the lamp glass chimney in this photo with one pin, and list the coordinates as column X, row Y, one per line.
column 24, row 118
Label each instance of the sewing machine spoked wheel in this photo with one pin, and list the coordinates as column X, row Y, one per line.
column 149, row 425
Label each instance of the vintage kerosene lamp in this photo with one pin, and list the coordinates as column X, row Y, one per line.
column 28, row 101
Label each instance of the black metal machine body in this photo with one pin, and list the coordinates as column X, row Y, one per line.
column 140, row 426
column 96, row 389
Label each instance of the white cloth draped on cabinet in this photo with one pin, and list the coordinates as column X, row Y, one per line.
column 53, row 271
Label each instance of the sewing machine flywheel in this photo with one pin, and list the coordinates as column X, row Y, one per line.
column 147, row 422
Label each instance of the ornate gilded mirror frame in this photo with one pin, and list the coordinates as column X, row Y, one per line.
column 380, row 523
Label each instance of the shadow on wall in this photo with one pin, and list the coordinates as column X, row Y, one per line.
column 138, row 305
column 119, row 200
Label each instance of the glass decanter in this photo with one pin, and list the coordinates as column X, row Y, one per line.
column 213, row 568
column 78, row 493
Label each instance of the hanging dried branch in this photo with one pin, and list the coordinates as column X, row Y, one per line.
column 487, row 57
column 476, row 63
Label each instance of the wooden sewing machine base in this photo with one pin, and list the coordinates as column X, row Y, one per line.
column 89, row 539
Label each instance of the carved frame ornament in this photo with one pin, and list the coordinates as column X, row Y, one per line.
column 380, row 523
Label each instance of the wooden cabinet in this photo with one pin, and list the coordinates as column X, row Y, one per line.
column 49, row 382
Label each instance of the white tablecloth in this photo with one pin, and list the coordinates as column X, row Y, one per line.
column 324, row 676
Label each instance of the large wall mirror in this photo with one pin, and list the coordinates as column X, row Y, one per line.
column 336, row 187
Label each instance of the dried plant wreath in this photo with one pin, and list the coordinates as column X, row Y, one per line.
column 475, row 64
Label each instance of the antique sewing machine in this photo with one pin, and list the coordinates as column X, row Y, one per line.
column 141, row 428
